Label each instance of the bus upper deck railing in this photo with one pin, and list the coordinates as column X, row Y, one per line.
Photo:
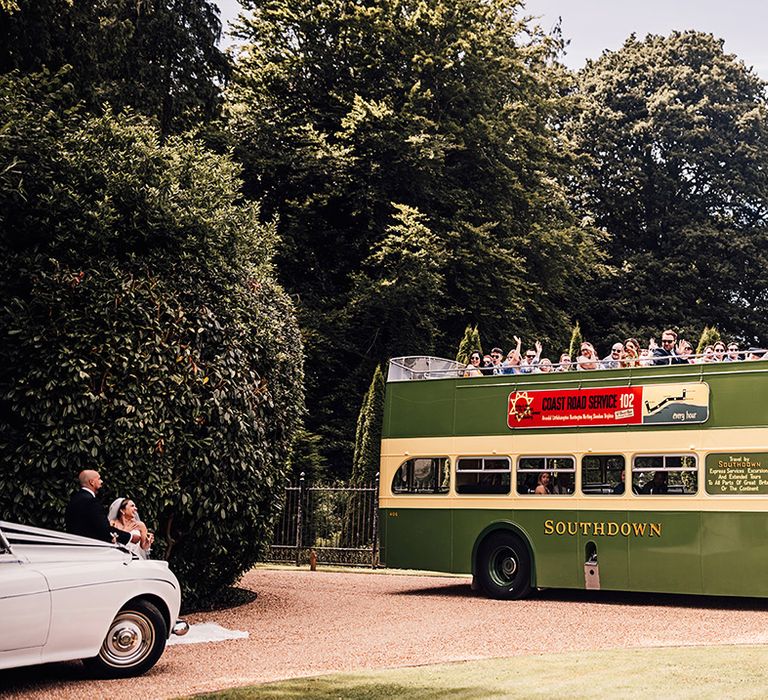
column 420, row 367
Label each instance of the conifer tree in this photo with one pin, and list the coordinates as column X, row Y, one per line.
column 476, row 340
column 709, row 336
column 469, row 342
column 368, row 434
column 576, row 341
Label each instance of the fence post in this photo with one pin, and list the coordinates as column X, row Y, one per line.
column 375, row 542
column 299, row 519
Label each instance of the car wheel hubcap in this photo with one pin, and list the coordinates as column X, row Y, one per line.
column 129, row 640
column 125, row 639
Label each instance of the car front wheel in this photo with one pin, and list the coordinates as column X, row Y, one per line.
column 133, row 644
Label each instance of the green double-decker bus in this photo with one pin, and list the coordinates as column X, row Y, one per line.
column 641, row 479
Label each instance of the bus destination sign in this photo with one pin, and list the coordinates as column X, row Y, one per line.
column 660, row 404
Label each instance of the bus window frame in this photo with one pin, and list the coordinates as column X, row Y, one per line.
column 664, row 456
column 610, row 494
column 409, row 458
column 456, row 472
column 539, row 471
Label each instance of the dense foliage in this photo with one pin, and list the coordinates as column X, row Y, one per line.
column 143, row 333
column 674, row 134
column 412, row 150
column 158, row 56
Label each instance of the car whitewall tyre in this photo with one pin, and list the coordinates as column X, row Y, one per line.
column 133, row 644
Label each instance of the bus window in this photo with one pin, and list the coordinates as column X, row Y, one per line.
column 602, row 474
column 483, row 475
column 546, row 475
column 654, row 475
column 423, row 475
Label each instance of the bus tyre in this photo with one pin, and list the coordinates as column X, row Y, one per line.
column 133, row 644
column 504, row 567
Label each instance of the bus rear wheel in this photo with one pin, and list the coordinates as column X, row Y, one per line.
column 504, row 567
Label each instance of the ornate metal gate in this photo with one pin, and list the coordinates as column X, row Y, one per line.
column 339, row 523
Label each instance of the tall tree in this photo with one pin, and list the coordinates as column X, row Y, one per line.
column 397, row 296
column 451, row 110
column 158, row 56
column 674, row 137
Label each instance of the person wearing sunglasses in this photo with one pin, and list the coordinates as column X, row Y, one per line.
column 473, row 368
column 733, row 353
column 667, row 354
column 614, row 360
column 719, row 349
column 530, row 360
column 496, row 357
column 687, row 352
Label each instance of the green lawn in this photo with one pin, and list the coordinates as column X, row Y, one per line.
column 688, row 672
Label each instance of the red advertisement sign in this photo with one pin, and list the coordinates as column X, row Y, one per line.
column 662, row 404
column 563, row 408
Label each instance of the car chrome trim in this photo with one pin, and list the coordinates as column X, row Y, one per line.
column 180, row 628
column 5, row 545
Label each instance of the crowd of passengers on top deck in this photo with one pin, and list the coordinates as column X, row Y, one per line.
column 627, row 354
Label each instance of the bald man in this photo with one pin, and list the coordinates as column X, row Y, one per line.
column 85, row 516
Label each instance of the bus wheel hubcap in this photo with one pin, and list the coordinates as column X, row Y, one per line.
column 509, row 567
column 504, row 566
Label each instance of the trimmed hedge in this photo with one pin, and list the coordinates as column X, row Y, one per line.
column 143, row 334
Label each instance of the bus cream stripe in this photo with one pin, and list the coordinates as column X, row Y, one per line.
column 699, row 442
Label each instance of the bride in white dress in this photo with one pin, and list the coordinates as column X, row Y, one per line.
column 123, row 515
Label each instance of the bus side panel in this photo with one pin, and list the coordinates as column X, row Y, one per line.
column 557, row 560
column 738, row 400
column 417, row 538
column 468, row 525
column 667, row 562
column 612, row 549
column 734, row 557
column 418, row 409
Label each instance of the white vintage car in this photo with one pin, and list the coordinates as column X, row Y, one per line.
column 66, row 597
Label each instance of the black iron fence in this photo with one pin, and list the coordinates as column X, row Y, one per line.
column 338, row 523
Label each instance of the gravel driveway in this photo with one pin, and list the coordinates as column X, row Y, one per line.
column 305, row 623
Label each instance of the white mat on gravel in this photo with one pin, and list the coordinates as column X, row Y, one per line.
column 207, row 632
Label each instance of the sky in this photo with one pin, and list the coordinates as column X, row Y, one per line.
column 594, row 25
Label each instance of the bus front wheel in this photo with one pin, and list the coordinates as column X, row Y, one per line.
column 504, row 567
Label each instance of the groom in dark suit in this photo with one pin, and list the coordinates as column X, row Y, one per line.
column 85, row 516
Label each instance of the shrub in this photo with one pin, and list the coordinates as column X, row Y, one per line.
column 143, row 334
